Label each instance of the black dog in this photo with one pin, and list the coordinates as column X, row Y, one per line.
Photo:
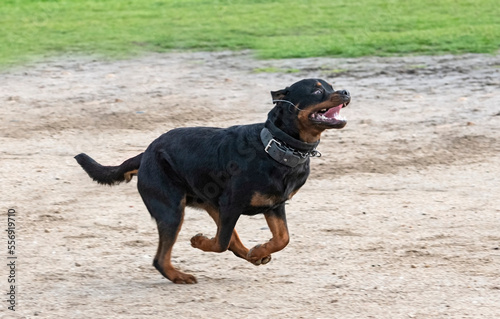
column 246, row 169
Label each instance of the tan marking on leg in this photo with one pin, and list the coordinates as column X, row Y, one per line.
column 176, row 276
column 235, row 245
column 164, row 255
column 279, row 241
column 128, row 175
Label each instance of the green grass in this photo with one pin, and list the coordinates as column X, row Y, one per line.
column 275, row 70
column 274, row 29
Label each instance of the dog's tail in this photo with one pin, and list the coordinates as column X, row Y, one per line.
column 109, row 175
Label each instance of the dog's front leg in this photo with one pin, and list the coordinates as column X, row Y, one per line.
column 276, row 220
column 220, row 243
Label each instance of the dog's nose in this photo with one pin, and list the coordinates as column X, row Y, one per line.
column 345, row 92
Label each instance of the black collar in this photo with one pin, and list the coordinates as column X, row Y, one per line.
column 281, row 150
column 288, row 140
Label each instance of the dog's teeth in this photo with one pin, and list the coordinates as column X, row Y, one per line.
column 323, row 110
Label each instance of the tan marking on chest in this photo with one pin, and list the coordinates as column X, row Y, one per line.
column 259, row 200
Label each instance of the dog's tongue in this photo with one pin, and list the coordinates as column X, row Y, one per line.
column 333, row 112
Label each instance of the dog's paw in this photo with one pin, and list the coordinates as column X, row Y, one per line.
column 262, row 261
column 254, row 258
column 182, row 278
column 197, row 240
column 174, row 275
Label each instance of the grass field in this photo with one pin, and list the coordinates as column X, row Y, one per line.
column 274, row 29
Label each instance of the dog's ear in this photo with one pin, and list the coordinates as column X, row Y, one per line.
column 279, row 95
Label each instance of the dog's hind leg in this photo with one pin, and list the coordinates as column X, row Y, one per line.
column 162, row 261
column 166, row 204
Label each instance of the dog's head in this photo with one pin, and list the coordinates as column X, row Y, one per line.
column 308, row 107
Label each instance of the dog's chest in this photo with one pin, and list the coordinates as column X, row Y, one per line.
column 274, row 196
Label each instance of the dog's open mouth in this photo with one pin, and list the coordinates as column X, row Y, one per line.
column 329, row 116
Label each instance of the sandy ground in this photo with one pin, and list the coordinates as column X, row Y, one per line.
column 399, row 219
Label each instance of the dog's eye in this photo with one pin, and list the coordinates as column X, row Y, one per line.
column 318, row 91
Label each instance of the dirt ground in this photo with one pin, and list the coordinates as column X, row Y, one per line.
column 399, row 219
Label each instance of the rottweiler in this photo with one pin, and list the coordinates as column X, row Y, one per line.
column 229, row 172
